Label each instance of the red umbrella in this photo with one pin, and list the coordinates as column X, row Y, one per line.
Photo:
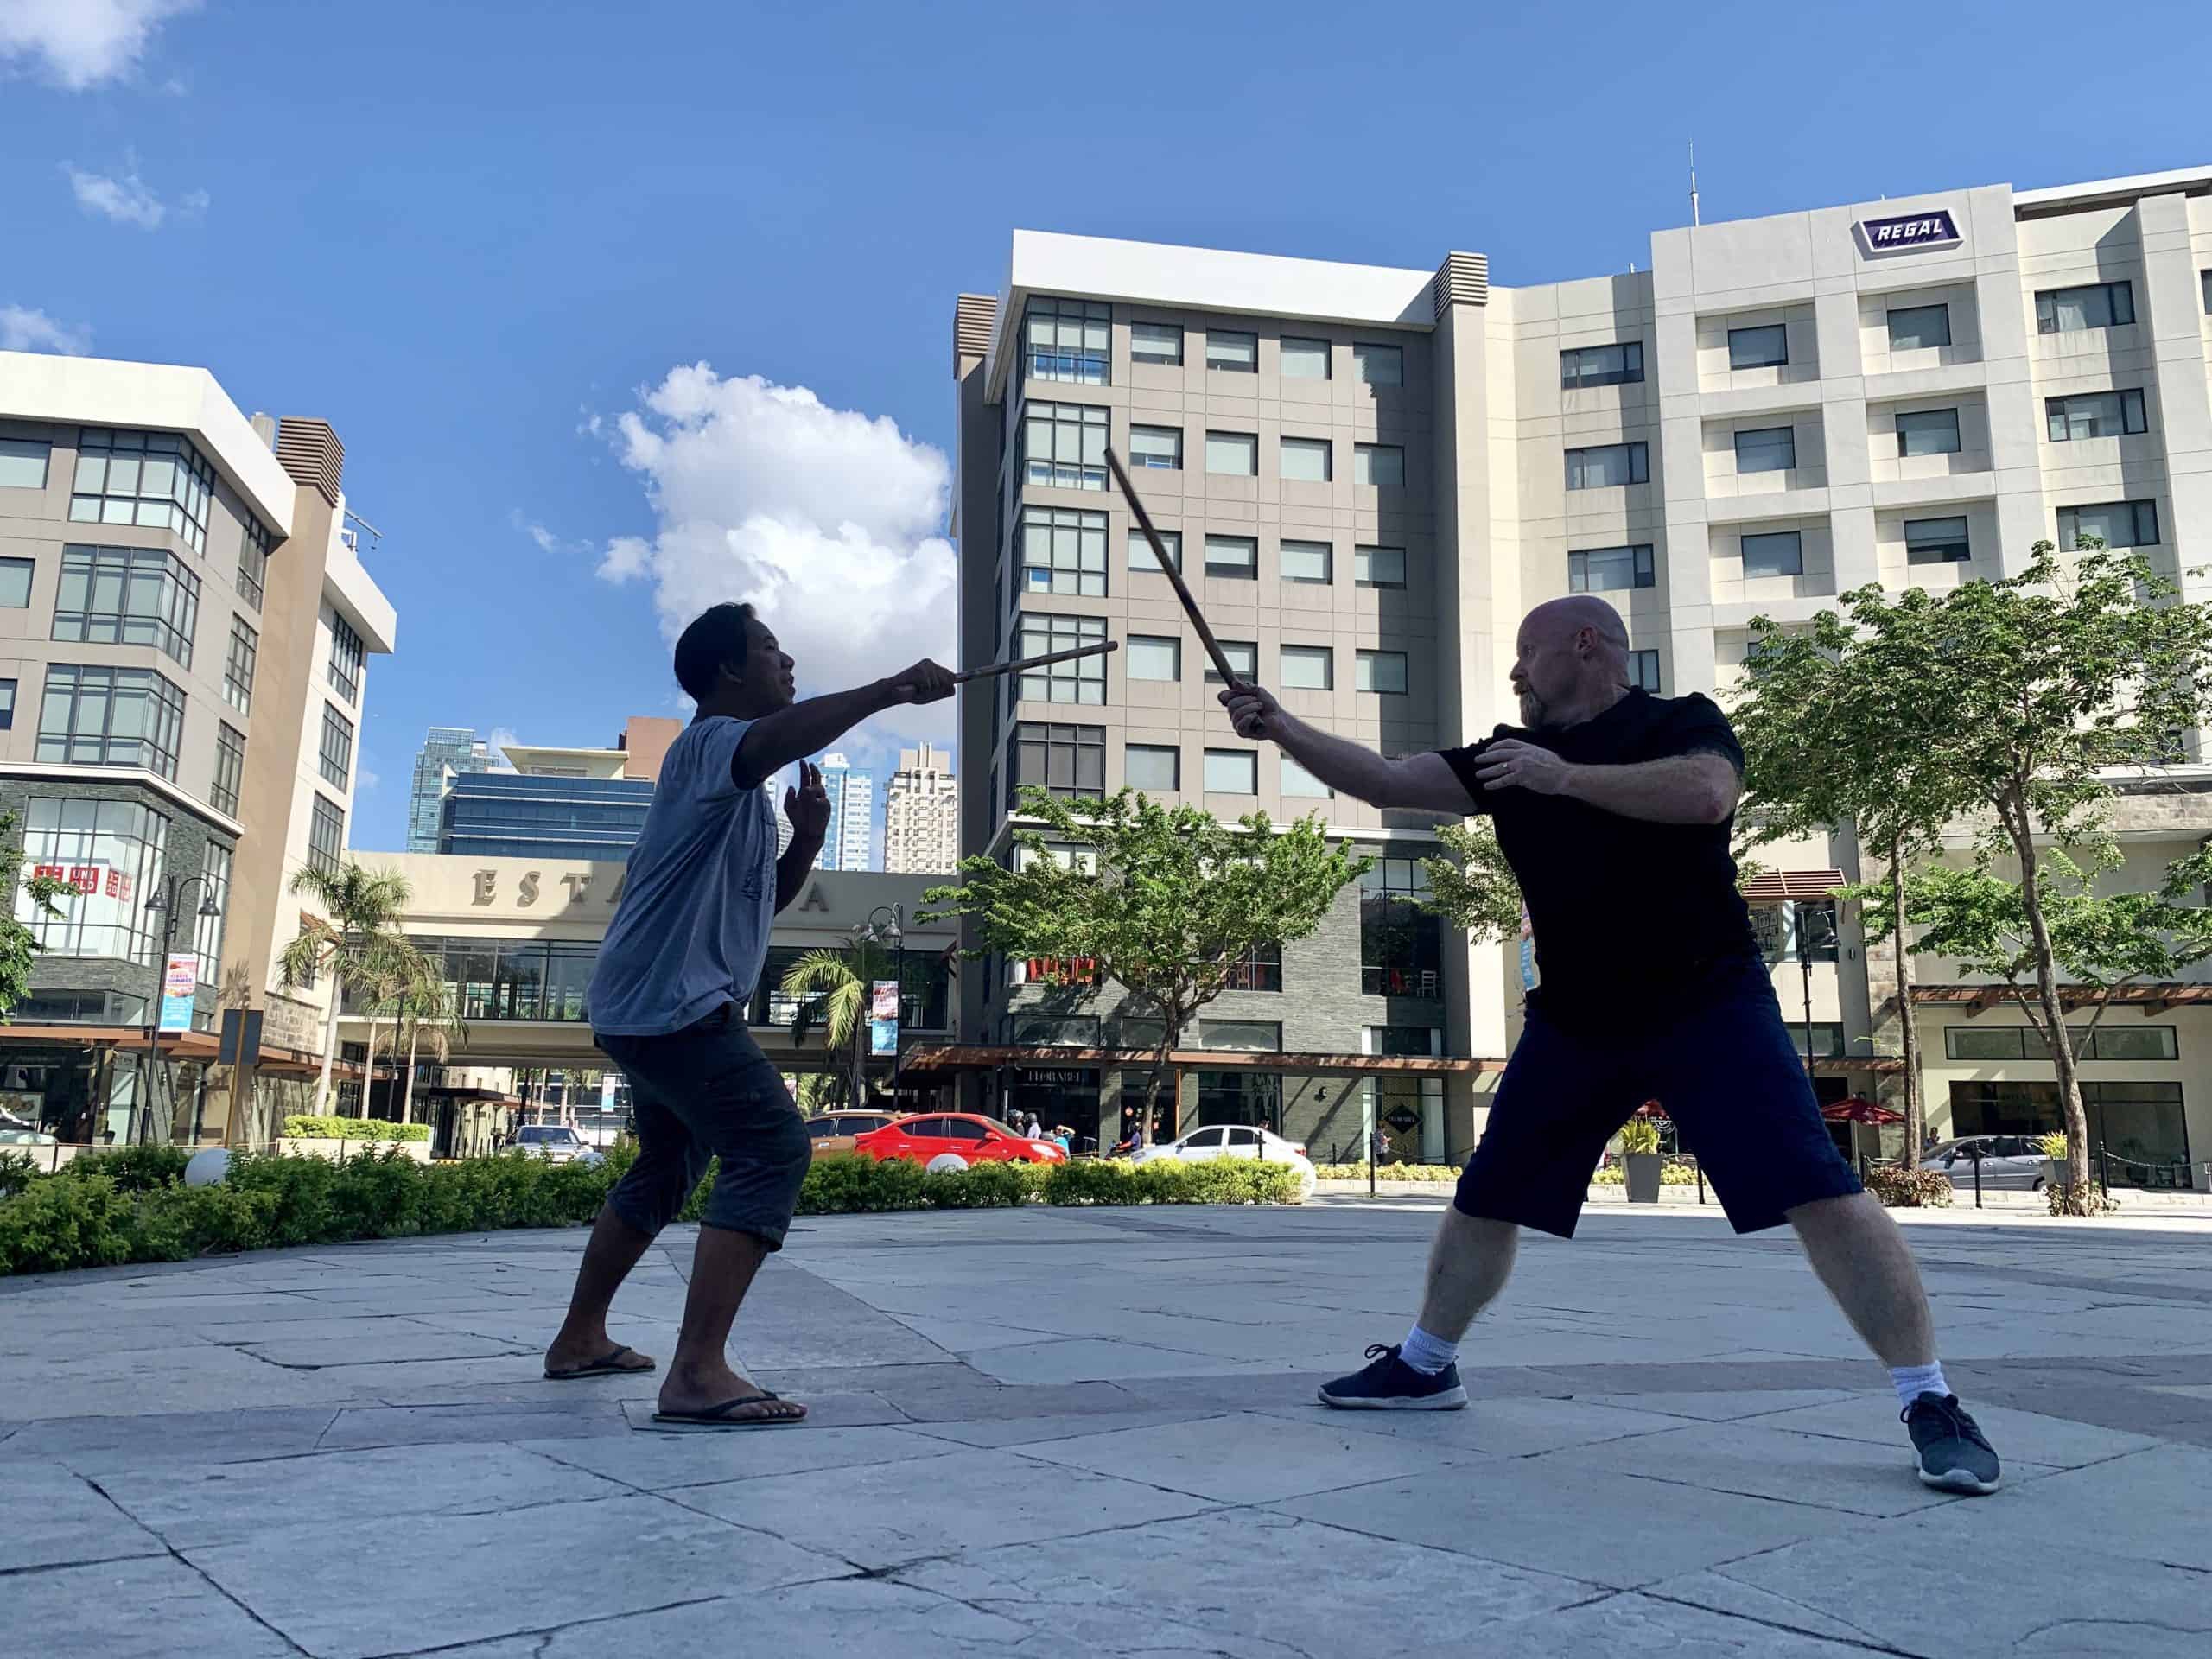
column 1857, row 1109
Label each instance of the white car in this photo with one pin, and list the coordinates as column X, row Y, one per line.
column 1236, row 1140
column 2009, row 1162
column 556, row 1143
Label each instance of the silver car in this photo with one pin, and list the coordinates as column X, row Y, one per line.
column 555, row 1142
column 2011, row 1163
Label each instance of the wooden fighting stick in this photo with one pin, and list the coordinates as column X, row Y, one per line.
column 1175, row 577
column 990, row 671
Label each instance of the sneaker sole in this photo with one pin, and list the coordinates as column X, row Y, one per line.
column 1957, row 1480
column 1451, row 1399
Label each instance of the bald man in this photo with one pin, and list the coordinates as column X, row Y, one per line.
column 1613, row 808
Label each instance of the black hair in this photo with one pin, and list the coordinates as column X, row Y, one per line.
column 717, row 638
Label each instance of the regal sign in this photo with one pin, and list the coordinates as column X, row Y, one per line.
column 1913, row 234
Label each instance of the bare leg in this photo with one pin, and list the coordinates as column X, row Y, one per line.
column 1861, row 1257
column 614, row 1249
column 1468, row 1267
column 700, row 1376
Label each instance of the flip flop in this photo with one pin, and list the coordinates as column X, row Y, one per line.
column 607, row 1364
column 719, row 1416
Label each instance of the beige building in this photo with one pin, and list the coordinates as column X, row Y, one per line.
column 921, row 814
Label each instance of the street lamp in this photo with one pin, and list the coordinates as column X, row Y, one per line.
column 1802, row 926
column 889, row 922
column 163, row 902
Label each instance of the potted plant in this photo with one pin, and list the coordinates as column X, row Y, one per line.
column 2053, row 1147
column 1640, row 1157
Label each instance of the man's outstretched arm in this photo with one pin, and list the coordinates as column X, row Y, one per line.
column 1420, row 782
column 773, row 741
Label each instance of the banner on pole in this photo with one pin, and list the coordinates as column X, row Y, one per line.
column 885, row 1005
column 883, row 1036
column 179, row 979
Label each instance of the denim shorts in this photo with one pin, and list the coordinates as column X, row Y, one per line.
column 708, row 1091
column 1726, row 1069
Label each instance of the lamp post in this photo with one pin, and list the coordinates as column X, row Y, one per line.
column 1805, row 941
column 889, row 922
column 163, row 902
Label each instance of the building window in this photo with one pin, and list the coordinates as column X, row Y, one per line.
column 2103, row 1042
column 1237, row 557
column 1063, row 551
column 1305, row 460
column 1916, row 328
column 326, row 836
column 1153, row 766
column 1379, row 466
column 1064, row 445
column 1401, row 945
column 1601, row 365
column 7, row 705
column 2093, row 305
column 207, row 930
column 1927, row 432
column 1156, row 446
column 94, row 716
column 1777, row 929
column 1236, row 454
column 1382, row 670
column 1305, row 561
column 1142, row 557
column 230, row 768
column 1232, row 353
column 1774, row 553
column 1401, row 1042
column 16, row 583
column 1068, row 760
column 1232, row 772
column 1259, row 969
column 238, row 667
column 1606, row 570
column 1153, row 657
column 1378, row 567
column 1068, row 340
column 1643, row 670
column 108, row 856
column 335, row 756
column 1766, row 346
column 1243, row 661
column 1305, row 359
column 1082, row 680
column 253, row 562
column 127, row 597
column 1379, row 366
column 348, row 655
column 2204, row 282
column 142, row 478
column 1936, row 541
column 22, row 463
column 1156, row 342
column 1309, row 667
column 1767, row 449
column 1607, row 465
column 2117, row 524
column 2095, row 415
column 1303, row 784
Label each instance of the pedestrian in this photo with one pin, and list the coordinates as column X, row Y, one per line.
column 1033, row 1127
column 1609, row 800
column 1065, row 1138
column 1378, row 1145
column 680, row 959
column 1136, row 1137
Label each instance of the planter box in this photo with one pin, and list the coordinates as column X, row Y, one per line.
column 341, row 1151
column 1643, row 1176
column 2054, row 1171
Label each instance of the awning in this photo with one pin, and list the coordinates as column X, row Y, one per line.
column 201, row 1045
column 1791, row 887
column 951, row 1057
column 2152, row 999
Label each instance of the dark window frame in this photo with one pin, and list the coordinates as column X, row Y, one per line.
column 1039, row 634
column 2119, row 295
column 1172, row 750
column 326, row 834
column 334, row 752
column 1765, row 432
column 2058, row 414
column 1082, row 746
column 154, row 747
column 1901, row 415
column 1058, row 364
column 1135, row 356
column 1638, row 661
column 1642, row 571
column 253, row 562
column 1233, row 573
column 1249, row 757
column 1890, row 323
column 230, row 769
column 1939, row 550
column 239, row 664
column 2138, row 510
column 1247, row 664
column 1796, row 535
column 1087, row 525
column 1252, row 367
column 128, row 572
column 1327, row 551
column 1638, row 452
column 1575, row 373
column 1370, row 581
column 349, row 658
column 1782, row 329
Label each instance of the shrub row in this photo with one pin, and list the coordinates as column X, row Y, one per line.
column 1670, row 1174
column 300, row 1127
column 1389, row 1171
column 1904, row 1187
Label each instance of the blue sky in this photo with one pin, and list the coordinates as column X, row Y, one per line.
column 489, row 242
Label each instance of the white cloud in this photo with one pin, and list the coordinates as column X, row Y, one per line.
column 82, row 43
column 500, row 737
column 828, row 519
column 546, row 540
column 25, row 330
column 365, row 780
column 127, row 198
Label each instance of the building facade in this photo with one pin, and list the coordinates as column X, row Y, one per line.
column 849, row 843
column 445, row 749
column 556, row 803
column 921, row 813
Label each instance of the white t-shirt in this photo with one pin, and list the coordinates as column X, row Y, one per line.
column 691, row 932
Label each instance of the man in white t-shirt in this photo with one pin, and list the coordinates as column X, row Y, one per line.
column 680, row 959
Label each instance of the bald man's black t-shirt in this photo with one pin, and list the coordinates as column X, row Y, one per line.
column 1630, row 917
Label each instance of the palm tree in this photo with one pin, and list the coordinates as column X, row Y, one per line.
column 836, row 985
column 430, row 1016
column 349, row 941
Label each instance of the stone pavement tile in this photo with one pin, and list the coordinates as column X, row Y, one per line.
column 1630, row 1624
column 195, row 1378
column 658, row 1462
column 93, row 1445
column 1507, row 1427
column 390, row 1345
column 1249, row 1457
column 1026, row 1431
column 879, row 1516
column 1097, row 1359
column 966, row 1403
column 157, row 1608
column 28, row 1338
column 851, row 1409
column 371, row 1330
column 1713, row 1406
column 366, row 1425
column 198, row 1504
column 2147, row 1506
column 2027, row 1436
column 347, row 1591
column 965, row 1337
column 409, row 1382
column 56, row 1518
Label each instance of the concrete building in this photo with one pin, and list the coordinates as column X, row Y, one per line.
column 181, row 593
column 643, row 741
column 850, row 843
column 556, row 803
column 1370, row 475
column 921, row 813
column 447, row 751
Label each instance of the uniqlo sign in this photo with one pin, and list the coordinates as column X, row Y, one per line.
column 1909, row 234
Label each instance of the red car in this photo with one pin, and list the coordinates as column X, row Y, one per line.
column 962, row 1137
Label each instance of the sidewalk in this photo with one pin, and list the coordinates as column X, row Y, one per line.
column 2010, row 1207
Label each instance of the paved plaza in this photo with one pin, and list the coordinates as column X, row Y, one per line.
column 1062, row 1432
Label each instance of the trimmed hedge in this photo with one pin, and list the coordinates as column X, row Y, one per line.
column 1389, row 1171
column 1901, row 1187
column 301, row 1127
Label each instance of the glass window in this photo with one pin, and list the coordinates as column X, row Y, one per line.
column 207, row 930
column 1062, row 551
column 1068, row 340
column 1927, row 432
column 1253, row 1036
column 108, row 856
column 1260, row 968
column 2116, row 524
column 1309, row 667
column 326, row 836
column 1307, row 459
column 1382, row 670
column 127, row 597
column 230, row 768
column 1232, row 353
column 1305, row 561
column 238, row 667
column 1378, row 567
column 1935, row 541
column 1151, row 656
column 1607, row 465
column 2204, row 281
column 1234, row 556
column 1142, row 557
column 1604, row 569
column 96, row 716
column 1232, row 772
column 1401, row 943
column 1156, row 446
column 1236, row 454
column 335, row 756
column 1302, row 784
column 1601, row 365
column 1379, row 366
column 142, row 478
column 1777, row 928
column 1774, row 553
column 1767, row 449
column 1401, row 1041
column 1153, row 766
column 2113, row 1041
column 16, row 583
column 1643, row 670
column 22, row 463
column 7, row 705
column 1383, row 465
column 347, row 656
column 1305, row 359
column 1082, row 680
column 1156, row 342
column 2093, row 305
column 1064, row 445
column 1243, row 661
column 1766, row 346
column 253, row 562
column 1993, row 1043
column 1068, row 760
column 1916, row 328
column 2095, row 415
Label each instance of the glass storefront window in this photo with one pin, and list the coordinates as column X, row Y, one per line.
column 1242, row 1096
column 2140, row 1126
column 109, row 856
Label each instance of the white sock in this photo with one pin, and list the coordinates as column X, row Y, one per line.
column 1426, row 1354
column 1913, row 1381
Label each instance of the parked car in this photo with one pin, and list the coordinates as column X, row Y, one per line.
column 554, row 1142
column 835, row 1131
column 2009, row 1162
column 954, row 1140
column 25, row 1137
column 1234, row 1141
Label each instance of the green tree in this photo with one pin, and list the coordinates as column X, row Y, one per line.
column 1472, row 886
column 18, row 943
column 429, row 1017
column 1167, row 901
column 350, row 942
column 834, row 985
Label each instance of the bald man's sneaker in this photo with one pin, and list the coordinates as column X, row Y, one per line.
column 1388, row 1383
column 1951, row 1452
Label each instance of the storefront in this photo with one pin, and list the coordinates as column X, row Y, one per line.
column 1059, row 1096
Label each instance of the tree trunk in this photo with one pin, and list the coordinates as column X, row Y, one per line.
column 369, row 1068
column 2054, row 1009
column 329, row 1049
column 407, row 1094
column 1908, row 1017
column 1152, row 1086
